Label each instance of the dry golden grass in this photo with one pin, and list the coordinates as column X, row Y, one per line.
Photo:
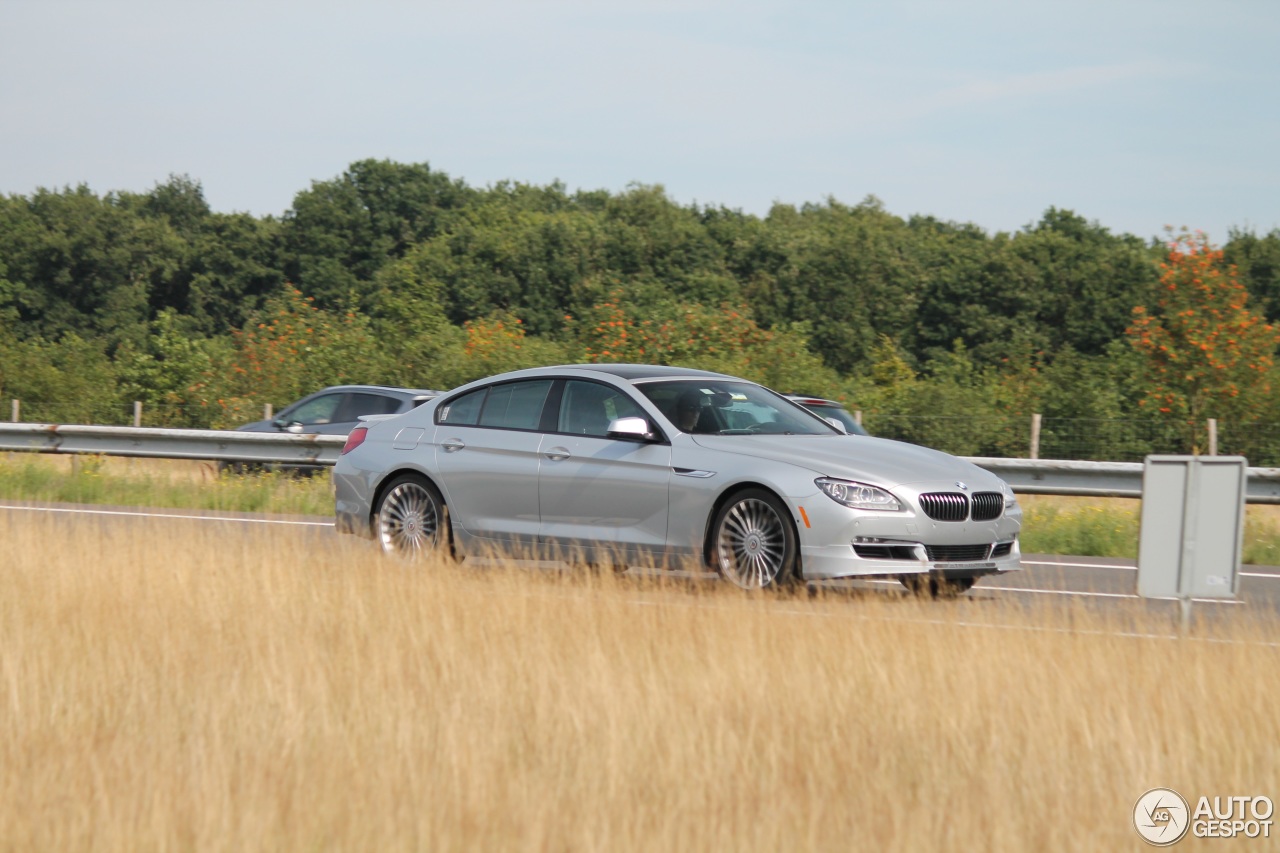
column 194, row 687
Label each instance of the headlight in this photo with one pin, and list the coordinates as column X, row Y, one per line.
column 1010, row 501
column 858, row 495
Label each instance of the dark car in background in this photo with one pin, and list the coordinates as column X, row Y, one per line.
column 829, row 409
column 333, row 411
column 336, row 410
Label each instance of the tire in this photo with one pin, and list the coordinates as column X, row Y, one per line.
column 753, row 542
column 411, row 520
column 934, row 586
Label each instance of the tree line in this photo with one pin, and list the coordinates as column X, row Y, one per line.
column 398, row 273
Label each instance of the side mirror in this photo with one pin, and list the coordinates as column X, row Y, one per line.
column 835, row 422
column 294, row 427
column 632, row 428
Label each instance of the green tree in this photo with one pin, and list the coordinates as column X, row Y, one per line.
column 68, row 380
column 1087, row 280
column 340, row 232
column 290, row 348
column 976, row 289
column 1206, row 353
column 84, row 264
column 847, row 272
column 499, row 257
column 1257, row 261
column 169, row 371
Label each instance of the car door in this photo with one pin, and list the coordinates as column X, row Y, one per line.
column 486, row 453
column 601, row 498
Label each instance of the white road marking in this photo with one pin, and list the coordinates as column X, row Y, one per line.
column 985, row 588
column 1076, row 565
column 1129, row 568
column 140, row 514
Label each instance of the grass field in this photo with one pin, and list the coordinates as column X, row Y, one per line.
column 171, row 687
column 164, row 483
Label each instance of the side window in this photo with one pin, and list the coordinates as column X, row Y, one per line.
column 515, row 405
column 464, row 411
column 367, row 404
column 318, row 411
column 588, row 407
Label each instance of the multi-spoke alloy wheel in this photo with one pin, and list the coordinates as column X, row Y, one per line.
column 753, row 542
column 410, row 518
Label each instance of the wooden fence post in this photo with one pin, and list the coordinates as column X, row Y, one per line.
column 1035, row 436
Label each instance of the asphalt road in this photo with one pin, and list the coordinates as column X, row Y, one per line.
column 1093, row 582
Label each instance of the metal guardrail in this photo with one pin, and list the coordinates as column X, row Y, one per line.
column 1026, row 476
column 1103, row 479
column 214, row 444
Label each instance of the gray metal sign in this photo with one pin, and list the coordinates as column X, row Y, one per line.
column 1192, row 526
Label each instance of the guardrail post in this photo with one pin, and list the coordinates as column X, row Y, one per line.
column 857, row 417
column 1035, row 436
column 1213, row 436
column 137, row 413
column 17, row 411
column 266, row 411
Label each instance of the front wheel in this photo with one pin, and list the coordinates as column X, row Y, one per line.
column 411, row 518
column 753, row 541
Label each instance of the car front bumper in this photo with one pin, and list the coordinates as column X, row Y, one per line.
column 842, row 561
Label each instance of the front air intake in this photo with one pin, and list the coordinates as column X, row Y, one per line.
column 957, row 553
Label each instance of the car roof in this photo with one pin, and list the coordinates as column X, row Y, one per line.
column 637, row 372
column 625, row 372
column 812, row 400
column 393, row 389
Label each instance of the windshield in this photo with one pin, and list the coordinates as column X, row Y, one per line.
column 712, row 407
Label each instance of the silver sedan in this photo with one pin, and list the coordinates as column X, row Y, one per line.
column 623, row 464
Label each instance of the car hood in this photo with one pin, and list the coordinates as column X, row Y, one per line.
column 258, row 426
column 878, row 461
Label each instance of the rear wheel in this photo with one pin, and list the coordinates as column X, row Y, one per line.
column 753, row 542
column 935, row 586
column 411, row 518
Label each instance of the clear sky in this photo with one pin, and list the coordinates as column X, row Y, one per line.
column 1133, row 113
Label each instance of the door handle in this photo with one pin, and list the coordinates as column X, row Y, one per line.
column 558, row 454
column 452, row 444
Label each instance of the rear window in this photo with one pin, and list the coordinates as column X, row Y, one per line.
column 359, row 404
column 515, row 405
column 464, row 411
